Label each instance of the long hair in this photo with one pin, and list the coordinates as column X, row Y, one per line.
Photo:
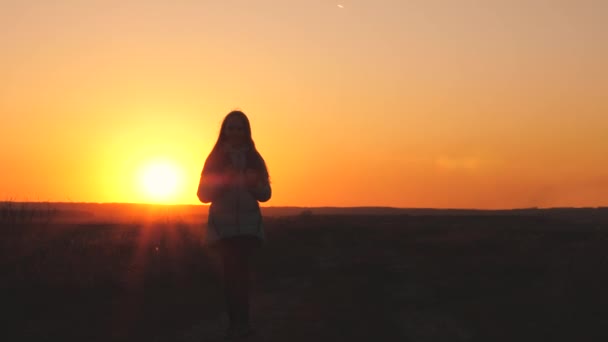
column 221, row 139
column 217, row 159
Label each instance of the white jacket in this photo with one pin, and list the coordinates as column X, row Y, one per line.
column 234, row 209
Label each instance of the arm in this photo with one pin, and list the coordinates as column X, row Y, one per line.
column 214, row 180
column 258, row 185
column 261, row 191
column 209, row 187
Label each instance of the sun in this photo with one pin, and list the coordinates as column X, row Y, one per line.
column 160, row 181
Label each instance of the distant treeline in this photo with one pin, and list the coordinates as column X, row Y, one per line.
column 26, row 211
column 71, row 210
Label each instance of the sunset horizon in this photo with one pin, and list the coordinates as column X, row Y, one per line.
column 402, row 104
column 14, row 206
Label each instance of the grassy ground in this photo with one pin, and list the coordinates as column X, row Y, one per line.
column 334, row 278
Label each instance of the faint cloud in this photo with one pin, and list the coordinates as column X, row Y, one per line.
column 340, row 6
column 457, row 163
column 463, row 163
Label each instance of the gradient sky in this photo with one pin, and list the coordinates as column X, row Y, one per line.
column 445, row 104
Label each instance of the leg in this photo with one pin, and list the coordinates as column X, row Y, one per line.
column 237, row 253
column 242, row 288
column 236, row 257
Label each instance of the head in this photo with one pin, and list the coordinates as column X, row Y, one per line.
column 235, row 130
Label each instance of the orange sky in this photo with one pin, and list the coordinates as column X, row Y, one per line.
column 447, row 104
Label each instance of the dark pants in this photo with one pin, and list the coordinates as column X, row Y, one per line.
column 236, row 255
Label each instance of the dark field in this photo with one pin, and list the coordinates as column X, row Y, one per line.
column 510, row 277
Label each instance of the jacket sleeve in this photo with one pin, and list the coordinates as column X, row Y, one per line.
column 206, row 190
column 209, row 187
column 211, row 184
column 262, row 191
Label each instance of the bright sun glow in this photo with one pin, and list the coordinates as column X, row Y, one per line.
column 160, row 181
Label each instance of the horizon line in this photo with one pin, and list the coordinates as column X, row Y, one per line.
column 315, row 207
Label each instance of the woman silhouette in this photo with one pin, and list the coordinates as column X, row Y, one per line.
column 234, row 179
